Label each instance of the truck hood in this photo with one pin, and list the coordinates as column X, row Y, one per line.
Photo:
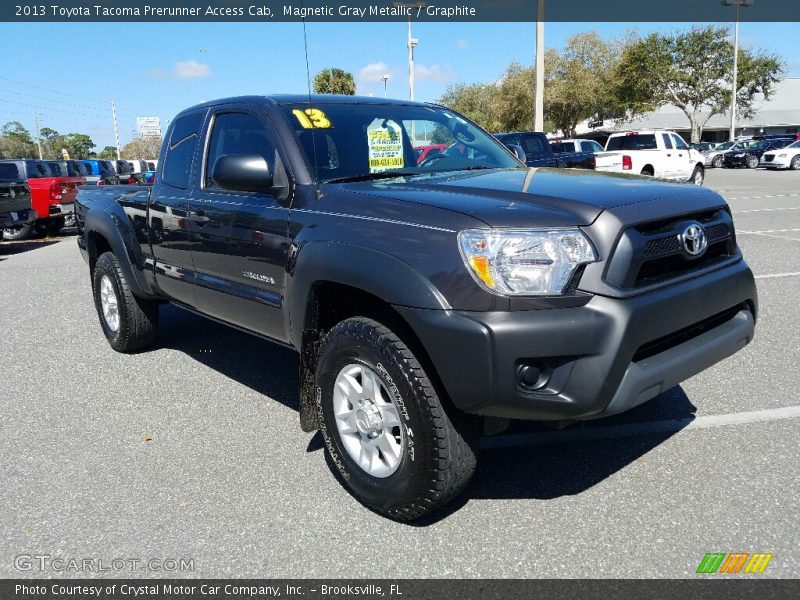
column 541, row 197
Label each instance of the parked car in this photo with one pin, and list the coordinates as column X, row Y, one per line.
column 662, row 154
column 426, row 152
column 534, row 148
column 52, row 197
column 74, row 171
column 750, row 155
column 570, row 146
column 783, row 158
column 703, row 147
column 423, row 300
column 125, row 172
column 16, row 208
column 101, row 172
column 139, row 167
column 714, row 157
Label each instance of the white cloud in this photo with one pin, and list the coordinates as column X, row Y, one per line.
column 191, row 69
column 433, row 73
column 374, row 72
column 462, row 44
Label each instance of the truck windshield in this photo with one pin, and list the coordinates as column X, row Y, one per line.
column 362, row 141
column 632, row 142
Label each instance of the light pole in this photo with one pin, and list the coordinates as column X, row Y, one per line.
column 412, row 41
column 538, row 109
column 734, row 83
column 385, row 83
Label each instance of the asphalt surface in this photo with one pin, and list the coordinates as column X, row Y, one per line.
column 193, row 450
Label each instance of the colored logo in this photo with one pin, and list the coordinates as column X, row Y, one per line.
column 734, row 562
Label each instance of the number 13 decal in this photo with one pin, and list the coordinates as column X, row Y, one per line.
column 312, row 118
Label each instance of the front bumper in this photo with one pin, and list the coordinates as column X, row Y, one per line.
column 735, row 161
column 777, row 163
column 599, row 359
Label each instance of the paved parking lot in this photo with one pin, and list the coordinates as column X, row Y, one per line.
column 229, row 480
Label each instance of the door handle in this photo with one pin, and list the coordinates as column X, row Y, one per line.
column 669, row 153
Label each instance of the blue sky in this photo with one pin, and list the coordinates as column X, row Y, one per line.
column 69, row 72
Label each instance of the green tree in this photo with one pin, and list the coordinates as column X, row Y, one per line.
column 475, row 101
column 692, row 70
column 77, row 145
column 16, row 142
column 334, row 81
column 109, row 153
column 580, row 82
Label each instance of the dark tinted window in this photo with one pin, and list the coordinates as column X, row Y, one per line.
column 667, row 141
column 632, row 142
column 123, row 166
column 56, row 169
column 182, row 144
column 9, row 171
column 563, row 146
column 84, row 168
column 238, row 134
column 35, row 169
column 106, row 167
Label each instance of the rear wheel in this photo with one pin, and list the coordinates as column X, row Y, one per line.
column 384, row 427
column 17, row 232
column 795, row 164
column 129, row 323
column 716, row 162
column 751, row 162
column 55, row 225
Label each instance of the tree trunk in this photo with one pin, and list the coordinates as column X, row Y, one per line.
column 697, row 130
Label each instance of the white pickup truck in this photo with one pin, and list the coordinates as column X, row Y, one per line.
column 662, row 154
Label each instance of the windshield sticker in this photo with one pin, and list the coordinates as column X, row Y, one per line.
column 385, row 142
column 312, row 118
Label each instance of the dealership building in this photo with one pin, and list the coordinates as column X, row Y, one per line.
column 778, row 115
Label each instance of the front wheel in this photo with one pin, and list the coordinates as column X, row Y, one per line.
column 717, row 162
column 795, row 164
column 129, row 323
column 384, row 427
column 751, row 162
column 698, row 176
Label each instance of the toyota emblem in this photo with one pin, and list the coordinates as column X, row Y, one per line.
column 694, row 239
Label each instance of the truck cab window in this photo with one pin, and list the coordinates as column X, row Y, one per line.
column 182, row 144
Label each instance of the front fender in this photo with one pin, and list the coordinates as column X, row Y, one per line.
column 380, row 274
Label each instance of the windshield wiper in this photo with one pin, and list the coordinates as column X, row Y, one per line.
column 373, row 176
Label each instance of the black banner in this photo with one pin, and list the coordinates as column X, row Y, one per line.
column 628, row 11
column 733, row 588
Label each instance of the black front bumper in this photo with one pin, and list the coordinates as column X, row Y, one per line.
column 598, row 359
column 736, row 161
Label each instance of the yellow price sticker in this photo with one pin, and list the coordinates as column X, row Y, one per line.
column 311, row 118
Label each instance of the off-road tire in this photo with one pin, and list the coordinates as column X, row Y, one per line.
column 440, row 459
column 138, row 318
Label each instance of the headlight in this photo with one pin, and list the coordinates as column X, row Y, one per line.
column 782, row 155
column 524, row 262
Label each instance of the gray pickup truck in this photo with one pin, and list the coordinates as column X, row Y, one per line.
column 426, row 300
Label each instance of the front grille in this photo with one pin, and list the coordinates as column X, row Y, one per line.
column 681, row 336
column 653, row 252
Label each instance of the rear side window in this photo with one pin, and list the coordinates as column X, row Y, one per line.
column 632, row 142
column 563, row 147
column 182, row 144
column 667, row 141
column 9, row 172
column 35, row 169
column 533, row 145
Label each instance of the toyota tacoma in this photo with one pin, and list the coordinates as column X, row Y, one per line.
column 429, row 302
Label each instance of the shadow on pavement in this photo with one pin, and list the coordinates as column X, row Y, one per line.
column 11, row 248
column 539, row 465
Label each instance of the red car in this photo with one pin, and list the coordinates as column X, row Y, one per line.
column 425, row 152
column 52, row 196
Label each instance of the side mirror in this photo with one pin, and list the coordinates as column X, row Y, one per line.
column 518, row 152
column 243, row 173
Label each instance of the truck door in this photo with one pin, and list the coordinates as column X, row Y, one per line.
column 669, row 162
column 240, row 239
column 684, row 165
column 168, row 209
